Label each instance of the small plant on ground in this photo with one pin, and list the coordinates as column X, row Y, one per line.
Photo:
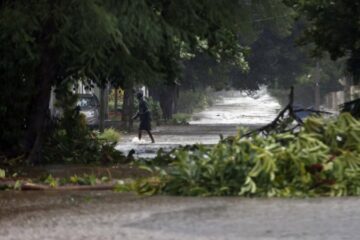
column 2, row 173
column 86, row 179
column 51, row 181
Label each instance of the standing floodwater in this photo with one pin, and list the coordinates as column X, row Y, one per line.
column 231, row 110
column 240, row 108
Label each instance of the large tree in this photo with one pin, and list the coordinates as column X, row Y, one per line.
column 47, row 42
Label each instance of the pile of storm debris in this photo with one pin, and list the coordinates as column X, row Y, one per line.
column 291, row 117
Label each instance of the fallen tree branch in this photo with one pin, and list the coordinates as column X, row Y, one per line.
column 27, row 186
column 288, row 115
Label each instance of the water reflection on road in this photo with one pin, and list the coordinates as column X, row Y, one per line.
column 232, row 110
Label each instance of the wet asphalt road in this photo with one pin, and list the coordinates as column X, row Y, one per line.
column 108, row 215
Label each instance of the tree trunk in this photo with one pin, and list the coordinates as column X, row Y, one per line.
column 39, row 111
column 167, row 100
column 128, row 108
column 106, row 102
column 39, row 104
column 166, row 106
column 102, row 110
column 116, row 100
column 176, row 98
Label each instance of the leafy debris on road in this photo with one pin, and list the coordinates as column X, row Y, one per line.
column 322, row 159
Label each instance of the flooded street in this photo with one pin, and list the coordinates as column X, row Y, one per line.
column 232, row 110
column 239, row 108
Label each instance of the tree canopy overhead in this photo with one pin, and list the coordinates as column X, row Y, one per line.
column 333, row 26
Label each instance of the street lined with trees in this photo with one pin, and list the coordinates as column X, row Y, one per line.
column 181, row 51
column 48, row 42
column 96, row 42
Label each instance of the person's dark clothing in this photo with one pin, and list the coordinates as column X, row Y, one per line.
column 144, row 114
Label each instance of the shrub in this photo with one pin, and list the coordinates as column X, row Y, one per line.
column 72, row 141
column 110, row 135
column 190, row 101
column 83, row 149
column 181, row 118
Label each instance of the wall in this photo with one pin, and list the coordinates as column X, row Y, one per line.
column 334, row 99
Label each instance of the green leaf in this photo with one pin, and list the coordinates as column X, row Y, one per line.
column 2, row 173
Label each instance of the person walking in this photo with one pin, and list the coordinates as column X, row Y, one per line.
column 145, row 116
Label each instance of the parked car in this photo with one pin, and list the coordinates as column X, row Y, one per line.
column 90, row 107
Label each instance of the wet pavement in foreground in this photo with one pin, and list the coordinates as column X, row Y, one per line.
column 108, row 215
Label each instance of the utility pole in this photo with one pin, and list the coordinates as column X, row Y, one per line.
column 317, row 87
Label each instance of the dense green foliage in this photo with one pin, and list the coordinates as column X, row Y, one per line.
column 273, row 60
column 322, row 159
column 47, row 42
column 332, row 26
column 71, row 141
